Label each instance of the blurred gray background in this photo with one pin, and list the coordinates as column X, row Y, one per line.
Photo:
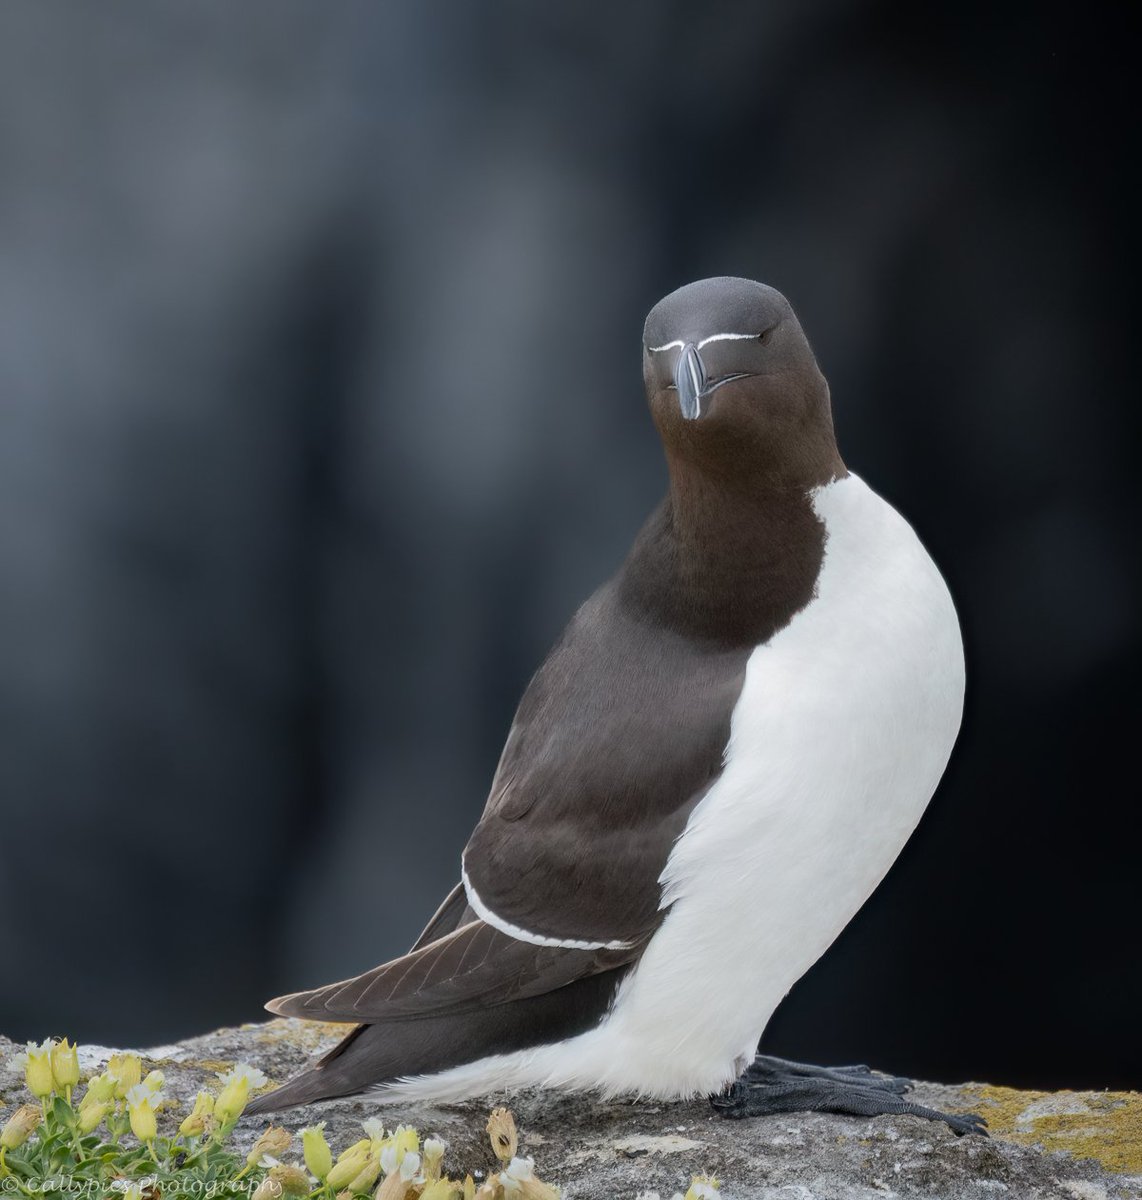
column 320, row 412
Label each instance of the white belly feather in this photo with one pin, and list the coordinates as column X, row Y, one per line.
column 841, row 733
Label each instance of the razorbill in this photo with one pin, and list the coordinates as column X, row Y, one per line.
column 709, row 774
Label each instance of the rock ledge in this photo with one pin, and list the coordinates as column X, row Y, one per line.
column 1071, row 1145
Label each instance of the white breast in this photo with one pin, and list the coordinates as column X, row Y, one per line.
column 842, row 731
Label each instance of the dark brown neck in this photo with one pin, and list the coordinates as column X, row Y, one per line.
column 726, row 559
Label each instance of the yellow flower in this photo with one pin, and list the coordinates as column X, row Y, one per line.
column 201, row 1116
column 505, row 1138
column 154, row 1081
column 350, row 1163
column 37, row 1062
column 232, row 1100
column 100, row 1088
column 235, row 1094
column 318, row 1156
column 91, row 1115
column 18, row 1128
column 294, row 1181
column 362, row 1182
column 405, row 1138
column 469, row 1187
column 141, row 1105
column 127, row 1070
column 403, row 1141
column 65, row 1066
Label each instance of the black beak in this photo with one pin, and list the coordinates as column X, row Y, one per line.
column 690, row 380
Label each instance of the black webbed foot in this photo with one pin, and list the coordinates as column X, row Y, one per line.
column 769, row 1086
column 766, row 1069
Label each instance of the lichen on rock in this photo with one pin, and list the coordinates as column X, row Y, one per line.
column 1103, row 1126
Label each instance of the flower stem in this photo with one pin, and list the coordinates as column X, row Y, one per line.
column 199, row 1151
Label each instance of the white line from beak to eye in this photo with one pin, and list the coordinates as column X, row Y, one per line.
column 714, row 337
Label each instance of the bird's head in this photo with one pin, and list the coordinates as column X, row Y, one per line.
column 733, row 385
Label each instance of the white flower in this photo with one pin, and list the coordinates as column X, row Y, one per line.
column 20, row 1060
column 393, row 1157
column 521, row 1169
column 703, row 1191
column 242, row 1070
column 374, row 1128
column 142, row 1093
column 518, row 1172
column 409, row 1166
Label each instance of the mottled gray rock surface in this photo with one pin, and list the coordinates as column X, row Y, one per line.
column 1070, row 1145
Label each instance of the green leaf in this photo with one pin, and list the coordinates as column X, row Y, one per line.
column 18, row 1165
column 60, row 1111
column 48, row 1144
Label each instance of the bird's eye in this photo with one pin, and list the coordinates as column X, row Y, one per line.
column 763, row 336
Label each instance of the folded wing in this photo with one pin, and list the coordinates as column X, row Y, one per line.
column 474, row 966
column 617, row 738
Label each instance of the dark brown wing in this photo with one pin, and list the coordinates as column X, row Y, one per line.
column 475, row 965
column 618, row 736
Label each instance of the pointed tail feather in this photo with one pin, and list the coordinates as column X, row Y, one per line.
column 326, row 1079
column 380, row 1053
column 319, row 1083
